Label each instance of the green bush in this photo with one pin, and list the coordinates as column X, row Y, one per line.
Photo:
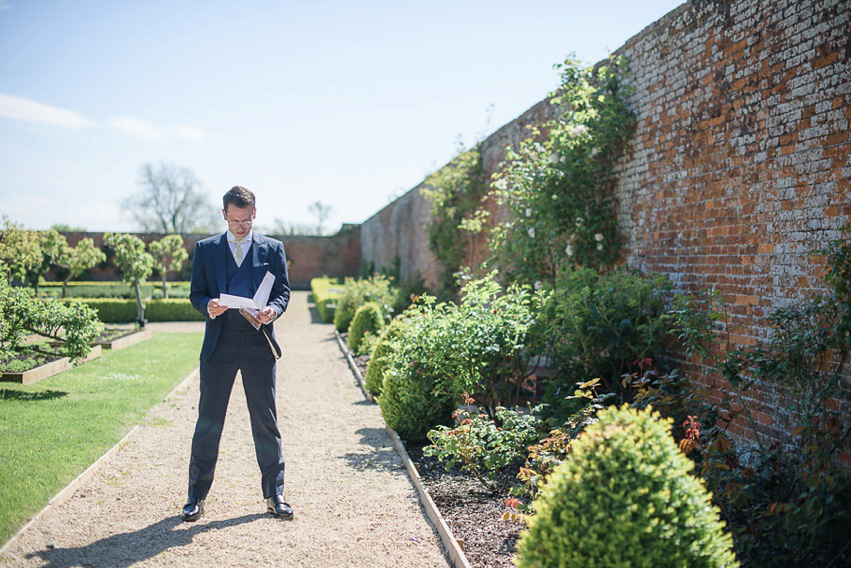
column 378, row 362
column 600, row 325
column 368, row 319
column 326, row 293
column 109, row 310
column 358, row 292
column 625, row 497
column 418, row 392
column 172, row 309
column 117, row 310
column 110, row 290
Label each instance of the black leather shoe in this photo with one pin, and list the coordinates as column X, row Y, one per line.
column 279, row 508
column 193, row 510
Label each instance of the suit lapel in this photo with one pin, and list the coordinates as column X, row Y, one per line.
column 220, row 262
column 256, row 255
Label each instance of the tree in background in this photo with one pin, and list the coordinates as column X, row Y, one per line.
column 52, row 244
column 169, row 254
column 21, row 314
column 170, row 201
column 322, row 213
column 77, row 260
column 134, row 263
column 20, row 249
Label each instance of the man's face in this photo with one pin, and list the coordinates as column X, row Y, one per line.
column 239, row 219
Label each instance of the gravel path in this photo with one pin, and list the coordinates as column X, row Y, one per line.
column 354, row 504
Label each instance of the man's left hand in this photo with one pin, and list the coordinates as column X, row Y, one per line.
column 268, row 314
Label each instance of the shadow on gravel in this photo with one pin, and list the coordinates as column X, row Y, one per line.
column 382, row 457
column 126, row 549
column 314, row 314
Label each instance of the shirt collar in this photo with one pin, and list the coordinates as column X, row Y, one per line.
column 232, row 238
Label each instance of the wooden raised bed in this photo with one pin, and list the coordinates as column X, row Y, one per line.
column 127, row 340
column 46, row 370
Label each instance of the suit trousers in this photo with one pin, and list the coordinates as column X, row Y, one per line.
column 248, row 352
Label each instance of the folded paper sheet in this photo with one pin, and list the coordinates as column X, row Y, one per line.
column 252, row 305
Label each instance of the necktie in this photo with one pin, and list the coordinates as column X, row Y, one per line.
column 237, row 251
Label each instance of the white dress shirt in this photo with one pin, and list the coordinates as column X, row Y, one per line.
column 245, row 245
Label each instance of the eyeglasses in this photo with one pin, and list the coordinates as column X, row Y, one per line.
column 241, row 224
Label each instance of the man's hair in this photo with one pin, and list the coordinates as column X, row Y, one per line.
column 238, row 196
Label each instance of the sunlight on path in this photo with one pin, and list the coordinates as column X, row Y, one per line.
column 354, row 505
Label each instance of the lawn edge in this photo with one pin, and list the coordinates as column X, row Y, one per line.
column 65, row 494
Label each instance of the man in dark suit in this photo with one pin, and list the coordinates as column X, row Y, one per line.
column 235, row 263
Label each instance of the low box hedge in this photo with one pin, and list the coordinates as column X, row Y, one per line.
column 326, row 293
column 118, row 310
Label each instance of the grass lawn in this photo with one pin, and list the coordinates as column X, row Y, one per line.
column 51, row 431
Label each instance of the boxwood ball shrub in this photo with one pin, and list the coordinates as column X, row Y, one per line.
column 377, row 366
column 625, row 497
column 368, row 319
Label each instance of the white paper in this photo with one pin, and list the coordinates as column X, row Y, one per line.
column 253, row 305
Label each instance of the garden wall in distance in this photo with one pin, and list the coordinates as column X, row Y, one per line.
column 739, row 167
column 308, row 256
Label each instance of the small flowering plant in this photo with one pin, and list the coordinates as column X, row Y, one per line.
column 556, row 183
column 481, row 445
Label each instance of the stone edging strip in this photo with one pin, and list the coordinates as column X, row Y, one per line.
column 66, row 493
column 456, row 553
column 353, row 366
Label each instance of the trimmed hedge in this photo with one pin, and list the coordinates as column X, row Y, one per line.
column 179, row 289
column 625, row 496
column 368, row 319
column 326, row 294
column 117, row 310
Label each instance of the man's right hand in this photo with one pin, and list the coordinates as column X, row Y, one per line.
column 215, row 309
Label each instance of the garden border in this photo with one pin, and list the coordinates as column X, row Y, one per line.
column 69, row 490
column 127, row 340
column 453, row 547
column 47, row 370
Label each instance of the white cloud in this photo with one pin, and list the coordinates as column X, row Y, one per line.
column 5, row 5
column 153, row 132
column 138, row 128
column 26, row 110
column 187, row 132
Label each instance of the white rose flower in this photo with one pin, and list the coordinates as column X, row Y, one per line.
column 598, row 237
column 555, row 196
column 554, row 158
column 579, row 221
column 532, row 232
column 568, row 250
column 599, row 246
column 594, row 152
column 500, row 184
column 538, row 284
column 528, row 212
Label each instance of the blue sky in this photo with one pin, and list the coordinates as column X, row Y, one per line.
column 348, row 103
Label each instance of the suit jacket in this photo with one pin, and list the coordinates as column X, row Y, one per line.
column 208, row 279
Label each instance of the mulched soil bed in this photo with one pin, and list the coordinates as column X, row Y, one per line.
column 472, row 513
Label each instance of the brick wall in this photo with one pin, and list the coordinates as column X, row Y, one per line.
column 308, row 256
column 739, row 167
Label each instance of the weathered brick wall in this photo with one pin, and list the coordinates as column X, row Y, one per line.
column 308, row 256
column 739, row 167
column 740, row 164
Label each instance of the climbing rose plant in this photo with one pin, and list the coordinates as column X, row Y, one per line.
column 556, row 184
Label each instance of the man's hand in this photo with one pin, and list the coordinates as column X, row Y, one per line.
column 215, row 309
column 268, row 314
